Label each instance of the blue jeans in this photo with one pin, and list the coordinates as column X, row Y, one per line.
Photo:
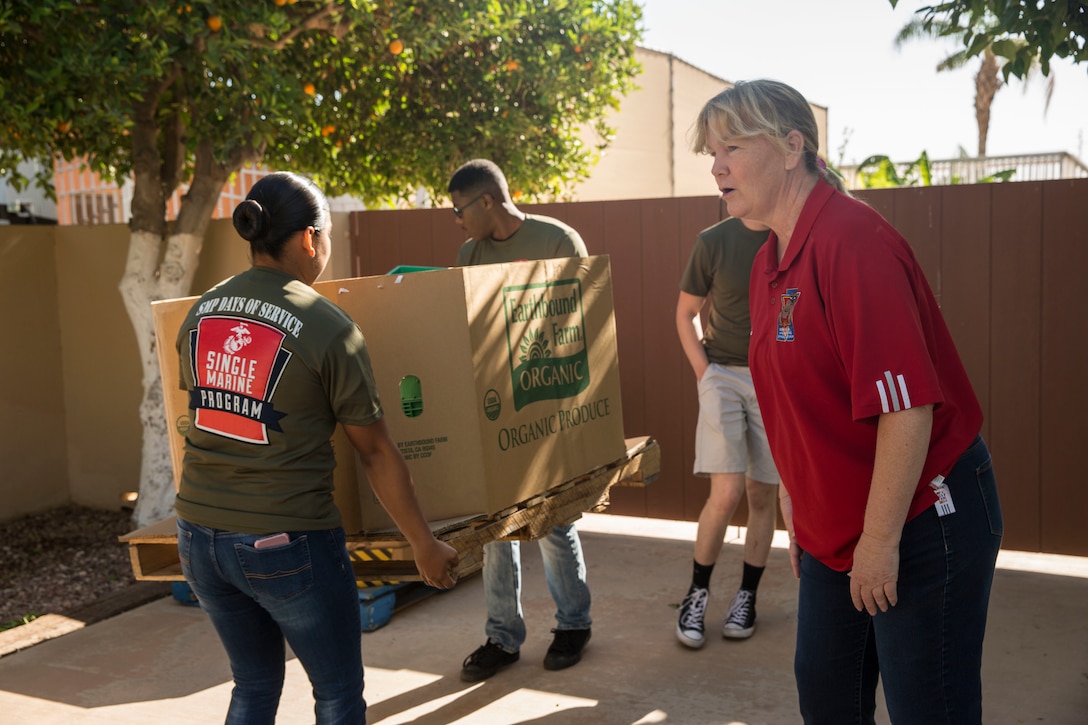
column 927, row 649
column 564, row 572
column 304, row 591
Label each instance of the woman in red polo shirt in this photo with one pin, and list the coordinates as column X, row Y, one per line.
column 887, row 487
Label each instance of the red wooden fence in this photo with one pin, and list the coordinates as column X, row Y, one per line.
column 1003, row 260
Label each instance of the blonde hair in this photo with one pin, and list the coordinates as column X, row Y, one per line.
column 766, row 108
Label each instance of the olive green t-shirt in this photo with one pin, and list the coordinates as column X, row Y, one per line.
column 720, row 267
column 271, row 367
column 538, row 237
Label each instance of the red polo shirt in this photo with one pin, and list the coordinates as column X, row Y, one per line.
column 843, row 329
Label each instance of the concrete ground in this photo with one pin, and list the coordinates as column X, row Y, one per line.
column 162, row 663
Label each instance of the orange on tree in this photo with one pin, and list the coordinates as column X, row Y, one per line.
column 215, row 23
column 309, row 89
column 396, row 46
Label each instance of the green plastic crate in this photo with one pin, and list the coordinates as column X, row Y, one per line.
column 406, row 268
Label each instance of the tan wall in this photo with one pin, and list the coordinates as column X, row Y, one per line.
column 693, row 88
column 33, row 441
column 339, row 266
column 649, row 156
column 637, row 163
column 70, row 385
column 100, row 366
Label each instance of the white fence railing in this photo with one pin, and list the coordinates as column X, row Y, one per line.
column 1027, row 167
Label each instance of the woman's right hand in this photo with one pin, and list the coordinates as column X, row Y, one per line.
column 437, row 563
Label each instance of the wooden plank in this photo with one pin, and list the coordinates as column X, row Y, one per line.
column 622, row 241
column 385, row 557
column 918, row 213
column 664, row 366
column 965, row 257
column 1064, row 362
column 1016, row 368
column 155, row 560
column 164, row 531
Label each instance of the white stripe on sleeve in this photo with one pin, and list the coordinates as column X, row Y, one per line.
column 883, row 395
column 903, row 391
column 893, row 392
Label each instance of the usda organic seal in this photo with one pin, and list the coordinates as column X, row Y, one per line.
column 492, row 404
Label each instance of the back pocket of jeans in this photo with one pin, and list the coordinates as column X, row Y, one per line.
column 280, row 572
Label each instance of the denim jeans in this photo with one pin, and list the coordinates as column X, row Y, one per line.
column 927, row 649
column 564, row 572
column 304, row 592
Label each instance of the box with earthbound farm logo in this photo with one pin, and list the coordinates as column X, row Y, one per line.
column 498, row 381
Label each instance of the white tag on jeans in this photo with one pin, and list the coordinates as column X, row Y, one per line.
column 944, row 497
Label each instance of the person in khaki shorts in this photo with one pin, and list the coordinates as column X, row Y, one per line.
column 730, row 441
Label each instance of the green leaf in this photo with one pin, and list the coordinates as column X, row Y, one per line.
column 402, row 121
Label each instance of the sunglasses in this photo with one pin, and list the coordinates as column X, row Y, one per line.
column 458, row 211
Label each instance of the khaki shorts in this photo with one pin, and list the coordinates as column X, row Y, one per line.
column 730, row 437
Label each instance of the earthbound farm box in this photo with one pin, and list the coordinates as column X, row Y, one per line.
column 498, row 381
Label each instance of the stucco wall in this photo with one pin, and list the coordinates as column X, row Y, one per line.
column 33, row 440
column 692, row 89
column 649, row 157
column 70, row 386
column 636, row 164
column 100, row 366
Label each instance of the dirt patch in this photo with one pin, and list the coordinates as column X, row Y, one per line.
column 60, row 560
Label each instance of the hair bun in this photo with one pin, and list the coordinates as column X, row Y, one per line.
column 251, row 221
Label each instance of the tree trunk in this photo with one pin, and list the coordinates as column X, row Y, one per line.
column 987, row 83
column 138, row 290
column 162, row 260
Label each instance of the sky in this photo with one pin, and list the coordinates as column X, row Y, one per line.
column 840, row 54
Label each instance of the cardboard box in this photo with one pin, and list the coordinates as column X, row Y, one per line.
column 168, row 316
column 498, row 381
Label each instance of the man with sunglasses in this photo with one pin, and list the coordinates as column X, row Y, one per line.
column 500, row 232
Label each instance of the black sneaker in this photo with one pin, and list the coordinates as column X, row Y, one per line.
column 488, row 659
column 566, row 648
column 741, row 620
column 689, row 628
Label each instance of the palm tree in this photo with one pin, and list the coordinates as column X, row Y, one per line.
column 988, row 79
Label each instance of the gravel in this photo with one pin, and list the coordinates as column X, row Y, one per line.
column 60, row 560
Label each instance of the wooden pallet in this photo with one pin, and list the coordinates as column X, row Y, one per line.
column 383, row 558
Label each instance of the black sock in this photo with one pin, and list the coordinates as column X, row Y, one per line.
column 700, row 575
column 750, row 578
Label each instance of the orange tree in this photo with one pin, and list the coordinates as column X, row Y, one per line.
column 370, row 97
